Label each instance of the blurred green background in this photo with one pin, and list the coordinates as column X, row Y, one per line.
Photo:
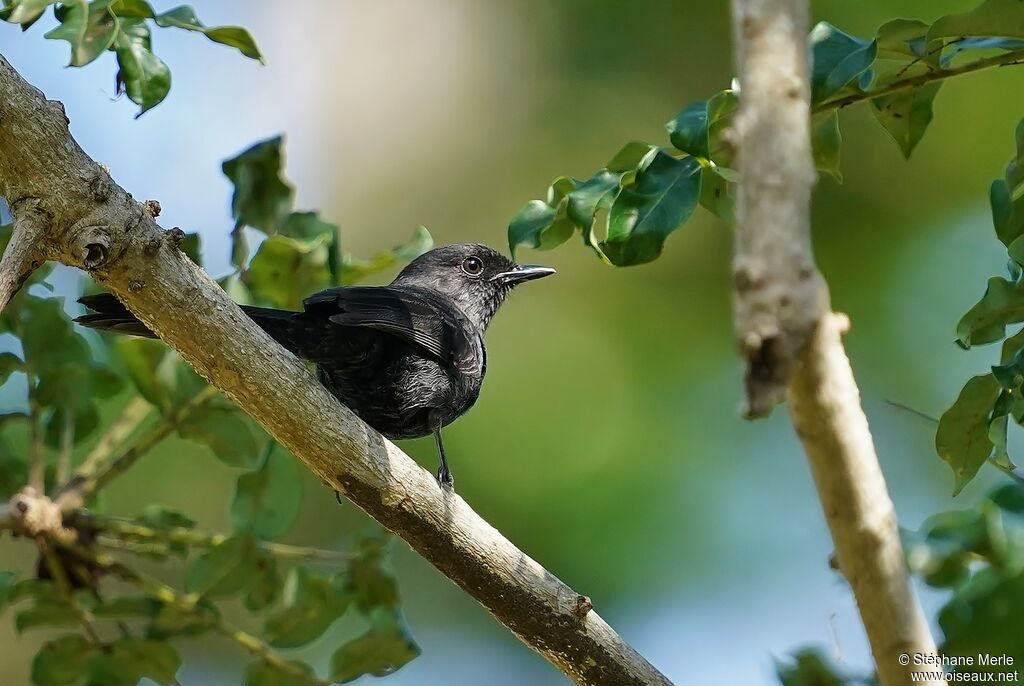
column 606, row 442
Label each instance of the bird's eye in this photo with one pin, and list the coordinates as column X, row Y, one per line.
column 472, row 266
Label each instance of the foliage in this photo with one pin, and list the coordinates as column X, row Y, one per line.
column 626, row 211
column 123, row 27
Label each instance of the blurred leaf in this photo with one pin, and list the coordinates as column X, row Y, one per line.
column 142, row 75
column 149, row 366
column 26, row 12
column 311, row 604
column 158, row 516
column 717, row 194
column 643, row 215
column 90, row 28
column 902, row 38
column 382, row 650
column 838, row 60
column 127, row 660
column 826, row 141
column 6, row 584
column 983, row 617
column 62, row 661
column 225, row 569
column 906, row 114
column 191, row 245
column 46, row 613
column 986, row 321
column 286, row 270
column 1007, row 200
column 171, row 621
column 962, row 439
column 184, row 17
column 307, row 225
column 1009, row 497
column 697, row 130
column 267, row 586
column 809, row 667
column 367, row 581
column 262, row 199
column 9, row 363
column 990, row 18
column 127, row 606
column 225, row 432
column 261, row 673
column 267, row 500
column 354, row 270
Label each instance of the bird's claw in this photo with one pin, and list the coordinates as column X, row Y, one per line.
column 445, row 479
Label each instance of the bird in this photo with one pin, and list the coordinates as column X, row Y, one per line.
column 408, row 358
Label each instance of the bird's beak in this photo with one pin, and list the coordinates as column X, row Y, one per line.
column 523, row 272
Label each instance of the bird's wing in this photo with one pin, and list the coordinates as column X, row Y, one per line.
column 417, row 316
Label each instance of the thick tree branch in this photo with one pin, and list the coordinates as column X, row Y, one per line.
column 95, row 225
column 791, row 339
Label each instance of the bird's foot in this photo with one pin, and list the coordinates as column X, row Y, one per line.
column 445, row 479
column 337, row 496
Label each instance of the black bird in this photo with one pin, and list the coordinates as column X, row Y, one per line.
column 408, row 358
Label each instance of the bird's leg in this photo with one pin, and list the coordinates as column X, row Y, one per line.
column 444, row 475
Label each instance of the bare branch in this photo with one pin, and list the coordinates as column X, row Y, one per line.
column 792, row 341
column 97, row 226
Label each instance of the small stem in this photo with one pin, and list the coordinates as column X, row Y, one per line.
column 168, row 596
column 124, row 529
column 64, row 586
column 98, row 472
column 67, row 447
column 37, row 462
column 1006, row 59
column 131, row 417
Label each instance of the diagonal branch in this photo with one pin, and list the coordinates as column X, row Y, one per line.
column 97, row 226
column 792, row 339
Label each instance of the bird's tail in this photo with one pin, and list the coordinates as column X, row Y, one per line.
column 108, row 314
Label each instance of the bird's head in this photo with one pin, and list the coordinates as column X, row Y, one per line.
column 475, row 277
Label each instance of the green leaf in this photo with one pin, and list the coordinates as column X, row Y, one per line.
column 629, row 157
column 983, row 617
column 184, row 17
column 127, row 660
column 808, row 667
column 139, row 9
column 596, row 193
column 62, row 661
column 285, row 270
column 697, row 130
column 158, row 516
column 986, row 321
column 267, row 586
column 962, row 439
column 311, row 604
column 46, row 613
column 368, row 581
column 1007, row 199
column 6, row 584
column 307, row 225
column 262, row 673
column 262, row 199
column 839, row 59
column 906, row 114
column 826, row 141
column 267, row 500
column 142, row 75
column 90, row 28
column 642, row 216
column 150, row 368
column 382, row 650
column 225, row 569
column 353, row 270
column 171, row 621
column 225, row 432
column 127, row 606
column 26, row 12
column 717, row 193
column 991, row 18
column 1009, row 497
column 903, row 38
column 9, row 363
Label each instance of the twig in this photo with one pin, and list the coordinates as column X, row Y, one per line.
column 36, row 455
column 64, row 586
column 67, row 446
column 1006, row 59
column 131, row 417
column 124, row 529
column 169, row 596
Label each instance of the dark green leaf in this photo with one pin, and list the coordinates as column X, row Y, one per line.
column 367, row 579
column 46, row 613
column 962, row 439
column 162, row 517
column 986, row 322
column 528, row 223
column 62, row 661
column 142, row 75
column 826, row 140
column 353, row 270
column 906, row 114
column 9, row 363
column 264, row 674
column 642, row 216
column 983, row 617
column 225, row 432
column 697, row 129
column 191, row 245
column 267, row 586
column 286, row 270
column 311, row 604
column 839, row 59
column 382, row 650
column 594, row 194
column 307, row 225
column 224, row 570
column 90, row 28
column 6, row 584
column 1009, row 497
column 127, row 606
column 809, row 667
column 184, row 17
column 262, row 199
column 267, row 500
column 991, row 18
column 173, row 621
column 127, row 660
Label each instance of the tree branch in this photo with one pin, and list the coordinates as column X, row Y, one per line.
column 791, row 339
column 97, row 226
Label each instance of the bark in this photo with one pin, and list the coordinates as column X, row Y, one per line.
column 792, row 341
column 90, row 222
